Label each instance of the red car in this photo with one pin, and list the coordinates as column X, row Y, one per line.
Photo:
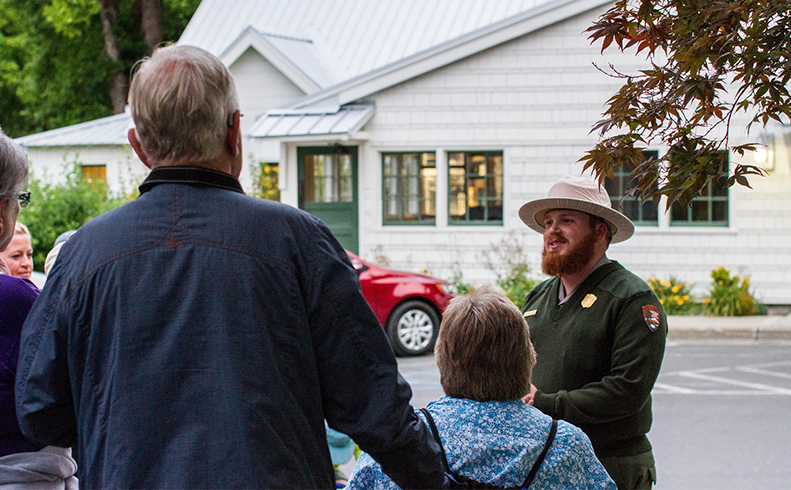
column 408, row 305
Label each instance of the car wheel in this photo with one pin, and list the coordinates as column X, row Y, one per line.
column 412, row 328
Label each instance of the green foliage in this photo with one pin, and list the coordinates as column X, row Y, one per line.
column 58, row 207
column 508, row 261
column 729, row 296
column 695, row 49
column 457, row 280
column 49, row 79
column 69, row 16
column 53, row 67
column 675, row 296
column 265, row 180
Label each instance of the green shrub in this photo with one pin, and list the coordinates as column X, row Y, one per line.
column 508, row 261
column 729, row 296
column 675, row 296
column 55, row 208
column 457, row 280
column 516, row 283
column 265, row 180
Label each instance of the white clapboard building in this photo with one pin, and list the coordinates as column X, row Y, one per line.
column 417, row 128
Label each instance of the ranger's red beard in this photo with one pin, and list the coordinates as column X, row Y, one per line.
column 556, row 264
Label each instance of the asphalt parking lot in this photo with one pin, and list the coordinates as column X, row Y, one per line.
column 722, row 412
column 722, row 416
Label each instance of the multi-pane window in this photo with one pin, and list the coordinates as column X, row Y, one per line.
column 710, row 208
column 642, row 213
column 328, row 178
column 475, row 187
column 409, row 187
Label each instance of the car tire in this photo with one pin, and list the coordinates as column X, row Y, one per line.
column 412, row 328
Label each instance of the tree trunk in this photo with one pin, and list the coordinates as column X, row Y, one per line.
column 108, row 13
column 152, row 22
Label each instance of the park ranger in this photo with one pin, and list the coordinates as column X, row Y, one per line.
column 599, row 330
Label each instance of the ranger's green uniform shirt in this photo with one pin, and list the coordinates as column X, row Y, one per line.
column 598, row 356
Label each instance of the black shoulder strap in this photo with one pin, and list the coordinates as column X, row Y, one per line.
column 533, row 471
column 436, row 436
column 537, row 464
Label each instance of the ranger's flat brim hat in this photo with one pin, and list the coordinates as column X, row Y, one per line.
column 578, row 194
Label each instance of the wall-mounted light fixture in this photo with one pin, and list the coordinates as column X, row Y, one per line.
column 764, row 154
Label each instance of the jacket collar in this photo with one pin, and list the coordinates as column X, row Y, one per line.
column 196, row 176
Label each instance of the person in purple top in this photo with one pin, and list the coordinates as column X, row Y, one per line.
column 23, row 463
column 16, row 295
column 16, row 298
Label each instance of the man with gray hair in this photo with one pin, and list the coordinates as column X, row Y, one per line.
column 197, row 337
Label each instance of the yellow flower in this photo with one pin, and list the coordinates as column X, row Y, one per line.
column 665, row 284
column 676, row 288
column 706, row 301
column 662, row 301
column 680, row 302
column 686, row 297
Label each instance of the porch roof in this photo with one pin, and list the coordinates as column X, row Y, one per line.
column 110, row 130
column 339, row 122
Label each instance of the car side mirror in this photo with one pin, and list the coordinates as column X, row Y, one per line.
column 358, row 266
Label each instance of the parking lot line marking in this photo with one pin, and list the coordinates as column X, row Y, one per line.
column 764, row 372
column 707, row 370
column 718, row 393
column 771, row 364
column 755, row 386
column 675, row 389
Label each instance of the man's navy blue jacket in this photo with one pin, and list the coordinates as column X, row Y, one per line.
column 198, row 338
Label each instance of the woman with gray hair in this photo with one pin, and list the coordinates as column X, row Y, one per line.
column 23, row 464
column 13, row 177
column 490, row 436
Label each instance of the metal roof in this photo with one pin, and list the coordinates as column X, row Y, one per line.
column 360, row 35
column 343, row 122
column 304, row 55
column 288, row 53
column 110, row 130
column 330, row 45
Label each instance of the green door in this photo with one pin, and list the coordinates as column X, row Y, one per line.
column 328, row 189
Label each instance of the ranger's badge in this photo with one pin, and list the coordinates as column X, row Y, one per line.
column 651, row 317
column 529, row 313
column 588, row 300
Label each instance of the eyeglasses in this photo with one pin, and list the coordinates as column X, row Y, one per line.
column 24, row 199
column 230, row 117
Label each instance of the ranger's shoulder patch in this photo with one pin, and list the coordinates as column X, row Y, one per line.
column 651, row 317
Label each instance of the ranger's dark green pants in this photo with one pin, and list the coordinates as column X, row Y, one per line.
column 631, row 472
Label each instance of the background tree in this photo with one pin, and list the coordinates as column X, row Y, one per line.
column 57, row 65
column 709, row 59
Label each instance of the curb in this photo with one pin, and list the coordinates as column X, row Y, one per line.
column 764, row 328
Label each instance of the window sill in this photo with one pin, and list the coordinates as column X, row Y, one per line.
column 409, row 223
column 685, row 230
